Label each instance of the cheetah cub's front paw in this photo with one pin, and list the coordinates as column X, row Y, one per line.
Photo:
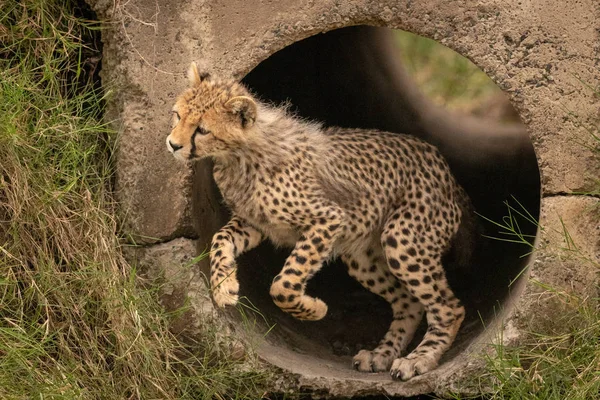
column 314, row 309
column 407, row 367
column 225, row 292
column 372, row 361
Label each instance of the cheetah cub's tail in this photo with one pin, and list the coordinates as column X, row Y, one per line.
column 466, row 239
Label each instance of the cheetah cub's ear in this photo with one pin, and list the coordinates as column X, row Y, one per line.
column 244, row 108
column 194, row 76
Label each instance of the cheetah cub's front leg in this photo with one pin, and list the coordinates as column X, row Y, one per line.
column 311, row 251
column 232, row 240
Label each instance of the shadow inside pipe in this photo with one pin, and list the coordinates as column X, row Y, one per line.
column 353, row 77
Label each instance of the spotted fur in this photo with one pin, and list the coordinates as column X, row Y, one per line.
column 386, row 203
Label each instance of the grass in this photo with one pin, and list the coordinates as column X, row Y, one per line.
column 444, row 76
column 560, row 359
column 560, row 363
column 73, row 321
column 451, row 80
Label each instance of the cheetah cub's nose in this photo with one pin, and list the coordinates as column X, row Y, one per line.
column 172, row 146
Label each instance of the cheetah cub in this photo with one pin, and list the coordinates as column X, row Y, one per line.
column 385, row 203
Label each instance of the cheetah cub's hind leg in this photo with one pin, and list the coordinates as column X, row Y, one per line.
column 413, row 247
column 370, row 269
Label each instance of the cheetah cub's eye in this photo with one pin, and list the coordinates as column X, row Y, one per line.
column 201, row 131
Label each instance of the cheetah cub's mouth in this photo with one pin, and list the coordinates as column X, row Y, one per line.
column 213, row 117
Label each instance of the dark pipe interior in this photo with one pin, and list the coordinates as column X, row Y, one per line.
column 352, row 77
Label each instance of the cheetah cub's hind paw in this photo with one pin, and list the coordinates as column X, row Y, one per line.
column 372, row 361
column 406, row 368
column 225, row 292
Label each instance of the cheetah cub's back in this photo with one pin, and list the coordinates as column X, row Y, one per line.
column 385, row 203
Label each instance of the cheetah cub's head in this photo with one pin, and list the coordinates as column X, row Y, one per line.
column 211, row 118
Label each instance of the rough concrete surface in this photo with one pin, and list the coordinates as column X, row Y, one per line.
column 543, row 53
column 168, row 266
column 567, row 259
column 183, row 292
